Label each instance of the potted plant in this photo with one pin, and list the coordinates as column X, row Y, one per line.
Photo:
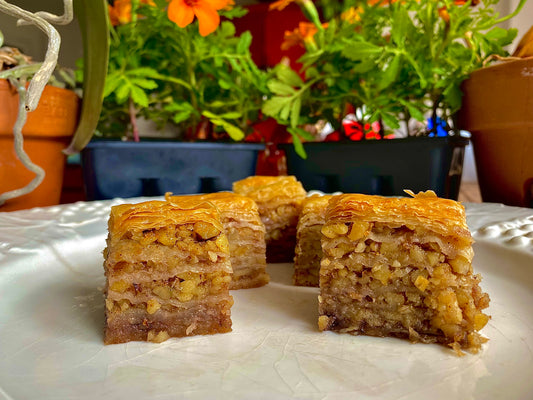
column 497, row 110
column 175, row 69
column 37, row 120
column 394, row 65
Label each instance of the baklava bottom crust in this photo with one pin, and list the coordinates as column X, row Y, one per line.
column 136, row 324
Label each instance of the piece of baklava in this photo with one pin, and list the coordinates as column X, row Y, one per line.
column 400, row 267
column 246, row 236
column 279, row 199
column 168, row 271
column 308, row 252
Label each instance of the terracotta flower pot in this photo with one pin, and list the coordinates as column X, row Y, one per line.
column 46, row 134
column 498, row 111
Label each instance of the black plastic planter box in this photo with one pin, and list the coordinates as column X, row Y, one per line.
column 384, row 167
column 152, row 168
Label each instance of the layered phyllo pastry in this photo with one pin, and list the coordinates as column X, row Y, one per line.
column 168, row 271
column 400, row 267
column 308, row 252
column 246, row 236
column 279, row 199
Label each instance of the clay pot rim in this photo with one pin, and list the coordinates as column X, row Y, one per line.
column 5, row 85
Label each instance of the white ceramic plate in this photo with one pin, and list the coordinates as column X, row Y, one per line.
column 51, row 322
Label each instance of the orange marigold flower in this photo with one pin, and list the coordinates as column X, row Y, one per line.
column 352, row 15
column 280, row 4
column 120, row 11
column 182, row 12
column 300, row 36
column 443, row 11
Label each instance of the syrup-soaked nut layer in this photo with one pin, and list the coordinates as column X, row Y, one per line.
column 154, row 215
column 183, row 235
column 382, row 280
column 245, row 236
column 250, row 278
column 308, row 256
column 156, row 305
column 183, row 287
column 334, row 230
column 416, row 255
column 138, row 254
column 205, row 231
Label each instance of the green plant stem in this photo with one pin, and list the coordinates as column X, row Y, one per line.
column 20, row 71
column 513, row 14
column 133, row 120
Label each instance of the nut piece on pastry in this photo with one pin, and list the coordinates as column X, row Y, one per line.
column 308, row 252
column 167, row 268
column 401, row 267
column 245, row 231
column 279, row 199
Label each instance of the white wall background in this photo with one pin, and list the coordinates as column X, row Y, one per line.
column 522, row 21
column 33, row 42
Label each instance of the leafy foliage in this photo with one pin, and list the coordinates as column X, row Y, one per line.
column 394, row 61
column 173, row 75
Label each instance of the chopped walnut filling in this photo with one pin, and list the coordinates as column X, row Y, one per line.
column 400, row 281
column 183, row 287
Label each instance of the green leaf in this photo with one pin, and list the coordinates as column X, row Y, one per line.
column 224, row 84
column 244, row 42
column 182, row 116
column 390, row 73
column 400, row 25
column 303, row 133
column 144, row 83
column 357, row 50
column 231, row 115
column 112, row 83
column 280, row 88
column 297, row 143
column 287, row 75
column 285, row 111
column 146, row 72
column 295, row 111
column 233, row 131
column 390, row 120
column 453, row 96
column 364, row 66
column 123, row 93
column 273, row 106
column 139, row 96
column 414, row 111
column 496, row 33
column 210, row 115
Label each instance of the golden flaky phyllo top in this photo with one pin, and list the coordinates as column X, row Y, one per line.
column 227, row 201
column 267, row 188
column 425, row 210
column 158, row 214
column 231, row 205
column 315, row 203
